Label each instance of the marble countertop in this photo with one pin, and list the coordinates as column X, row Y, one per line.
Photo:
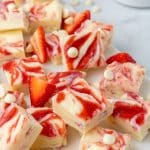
column 132, row 27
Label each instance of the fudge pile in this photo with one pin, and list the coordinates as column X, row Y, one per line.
column 35, row 33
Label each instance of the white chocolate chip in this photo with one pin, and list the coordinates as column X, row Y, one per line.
column 95, row 9
column 11, row 7
column 2, row 91
column 108, row 74
column 88, row 2
column 72, row 52
column 66, row 13
column 9, row 98
column 69, row 20
column 109, row 139
column 75, row 2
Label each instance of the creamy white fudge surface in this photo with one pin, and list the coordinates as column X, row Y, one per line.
column 48, row 15
column 11, row 45
column 12, row 18
column 104, row 139
column 120, row 78
column 81, row 106
column 18, row 129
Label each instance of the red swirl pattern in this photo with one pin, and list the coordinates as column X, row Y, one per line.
column 23, row 69
column 63, row 79
column 14, row 122
column 90, row 50
column 52, row 124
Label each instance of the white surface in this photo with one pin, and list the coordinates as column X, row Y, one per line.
column 132, row 27
column 136, row 3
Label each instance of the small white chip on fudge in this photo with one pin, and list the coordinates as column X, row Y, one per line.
column 81, row 106
column 18, row 129
column 85, row 48
column 19, row 71
column 104, row 139
column 11, row 45
column 121, row 77
column 47, row 14
column 12, row 18
column 132, row 115
column 54, row 133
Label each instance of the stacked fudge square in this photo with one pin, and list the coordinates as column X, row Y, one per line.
column 37, row 33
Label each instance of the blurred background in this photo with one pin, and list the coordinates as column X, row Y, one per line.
column 132, row 26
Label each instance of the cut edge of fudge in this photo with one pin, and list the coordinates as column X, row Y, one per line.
column 103, row 138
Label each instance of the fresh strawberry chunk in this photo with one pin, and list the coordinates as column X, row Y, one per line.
column 121, row 58
column 40, row 91
column 39, row 44
column 79, row 18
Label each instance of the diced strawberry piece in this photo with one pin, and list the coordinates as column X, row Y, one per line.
column 79, row 18
column 39, row 44
column 40, row 91
column 121, row 58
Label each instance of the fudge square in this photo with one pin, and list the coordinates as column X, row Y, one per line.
column 104, row 139
column 12, row 18
column 81, row 106
column 84, row 49
column 11, row 45
column 132, row 115
column 18, row 129
column 19, row 71
column 120, row 78
column 17, row 97
column 54, row 133
column 47, row 14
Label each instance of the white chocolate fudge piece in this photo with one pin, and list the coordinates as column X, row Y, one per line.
column 120, row 78
column 54, row 131
column 18, row 129
column 19, row 71
column 132, row 115
column 11, row 45
column 81, row 106
column 48, row 15
column 12, row 18
column 104, row 139
column 13, row 97
column 85, row 48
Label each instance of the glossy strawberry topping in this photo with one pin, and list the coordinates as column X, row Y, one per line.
column 8, row 114
column 127, row 111
column 52, row 124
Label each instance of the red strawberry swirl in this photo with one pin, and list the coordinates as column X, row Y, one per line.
column 36, row 13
